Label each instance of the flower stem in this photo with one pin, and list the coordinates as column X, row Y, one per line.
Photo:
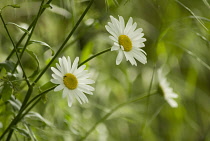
column 19, row 116
column 30, row 35
column 23, row 36
column 64, row 43
column 24, row 74
column 113, row 110
column 106, row 50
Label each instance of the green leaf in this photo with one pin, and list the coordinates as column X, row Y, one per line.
column 23, row 132
column 14, row 6
column 43, row 44
column 3, row 73
column 21, row 28
column 47, row 6
column 37, row 116
column 16, row 104
column 34, row 56
column 116, row 2
column 32, row 136
column 8, row 65
column 86, row 51
column 46, row 86
column 6, row 91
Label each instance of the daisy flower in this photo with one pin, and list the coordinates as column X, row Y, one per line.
column 127, row 40
column 166, row 90
column 72, row 80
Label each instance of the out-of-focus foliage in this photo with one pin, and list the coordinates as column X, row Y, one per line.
column 177, row 34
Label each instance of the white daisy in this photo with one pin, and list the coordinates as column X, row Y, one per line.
column 72, row 80
column 167, row 91
column 127, row 40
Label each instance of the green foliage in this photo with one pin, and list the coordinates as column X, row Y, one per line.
column 126, row 104
column 6, row 91
column 18, row 26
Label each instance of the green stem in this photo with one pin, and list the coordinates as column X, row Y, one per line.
column 112, row 111
column 30, row 35
column 24, row 74
column 39, row 95
column 64, row 43
column 147, row 102
column 19, row 117
column 30, row 90
column 23, row 36
column 106, row 50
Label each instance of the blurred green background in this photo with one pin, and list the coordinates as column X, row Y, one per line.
column 177, row 34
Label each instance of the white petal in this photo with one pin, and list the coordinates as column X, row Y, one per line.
column 83, row 89
column 130, row 32
column 114, row 47
column 56, row 71
column 82, row 97
column 75, row 64
column 139, row 56
column 65, row 65
column 116, row 25
column 137, row 33
column 61, row 65
column 114, row 28
column 75, row 93
column 66, row 92
column 68, row 67
column 111, row 31
column 80, row 69
column 55, row 81
column 122, row 24
column 172, row 95
column 130, row 58
column 128, row 26
column 55, row 76
column 58, row 88
column 119, row 57
column 86, row 81
column 137, row 36
column 70, row 99
column 59, row 68
column 172, row 103
column 113, row 38
column 90, row 88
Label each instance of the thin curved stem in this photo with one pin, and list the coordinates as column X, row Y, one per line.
column 19, row 117
column 23, row 36
column 24, row 74
column 31, row 33
column 64, row 43
column 106, row 50
column 112, row 111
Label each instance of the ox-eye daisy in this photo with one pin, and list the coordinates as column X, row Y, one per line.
column 127, row 40
column 72, row 80
column 166, row 90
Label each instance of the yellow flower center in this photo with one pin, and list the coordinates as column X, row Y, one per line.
column 125, row 42
column 70, row 81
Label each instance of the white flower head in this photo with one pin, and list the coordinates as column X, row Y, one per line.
column 127, row 40
column 73, row 80
column 167, row 91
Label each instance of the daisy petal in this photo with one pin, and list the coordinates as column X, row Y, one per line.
column 58, row 88
column 74, row 65
column 126, row 39
column 72, row 80
column 119, row 57
column 70, row 99
column 115, row 48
